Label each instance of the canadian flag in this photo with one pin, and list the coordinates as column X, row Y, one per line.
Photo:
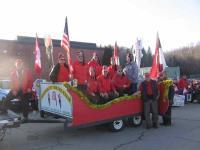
column 159, row 63
column 37, row 65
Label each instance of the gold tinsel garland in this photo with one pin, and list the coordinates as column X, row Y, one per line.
column 167, row 84
column 100, row 106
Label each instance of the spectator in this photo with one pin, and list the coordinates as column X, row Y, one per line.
column 121, row 82
column 106, row 87
column 131, row 70
column 149, row 95
column 183, row 85
column 21, row 87
column 60, row 72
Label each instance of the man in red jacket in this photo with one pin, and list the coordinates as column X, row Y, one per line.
column 121, row 82
column 106, row 87
column 80, row 69
column 21, row 87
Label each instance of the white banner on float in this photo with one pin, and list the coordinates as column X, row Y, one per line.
column 55, row 98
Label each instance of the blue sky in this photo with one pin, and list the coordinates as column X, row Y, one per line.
column 105, row 21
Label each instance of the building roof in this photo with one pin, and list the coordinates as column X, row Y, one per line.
column 56, row 43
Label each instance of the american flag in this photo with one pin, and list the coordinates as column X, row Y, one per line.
column 65, row 43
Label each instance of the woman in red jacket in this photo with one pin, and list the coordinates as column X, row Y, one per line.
column 112, row 69
column 60, row 72
column 80, row 69
column 92, row 86
column 95, row 62
column 121, row 82
column 106, row 88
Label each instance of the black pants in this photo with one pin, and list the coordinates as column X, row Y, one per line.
column 167, row 116
column 24, row 97
column 123, row 91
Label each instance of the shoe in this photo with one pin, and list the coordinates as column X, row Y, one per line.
column 24, row 120
column 148, row 127
column 155, row 125
column 165, row 124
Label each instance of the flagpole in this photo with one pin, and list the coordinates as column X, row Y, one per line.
column 52, row 53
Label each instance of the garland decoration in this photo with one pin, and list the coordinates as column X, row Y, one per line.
column 167, row 84
column 100, row 106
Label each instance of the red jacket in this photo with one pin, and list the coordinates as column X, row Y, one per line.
column 26, row 79
column 97, row 67
column 80, row 72
column 63, row 74
column 121, row 81
column 92, row 85
column 183, row 84
column 105, row 84
column 112, row 70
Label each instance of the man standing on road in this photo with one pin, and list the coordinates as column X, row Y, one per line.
column 149, row 96
column 21, row 87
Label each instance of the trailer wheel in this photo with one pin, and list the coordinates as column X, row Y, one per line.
column 116, row 125
column 135, row 121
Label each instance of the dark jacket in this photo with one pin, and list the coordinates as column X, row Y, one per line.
column 171, row 94
column 144, row 91
column 54, row 72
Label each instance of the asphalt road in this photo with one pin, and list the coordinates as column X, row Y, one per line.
column 184, row 134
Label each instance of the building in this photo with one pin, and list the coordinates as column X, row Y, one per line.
column 172, row 72
column 23, row 47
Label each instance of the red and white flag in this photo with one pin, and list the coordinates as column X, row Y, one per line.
column 115, row 54
column 65, row 43
column 37, row 66
column 159, row 63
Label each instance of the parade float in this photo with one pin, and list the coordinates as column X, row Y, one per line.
column 69, row 102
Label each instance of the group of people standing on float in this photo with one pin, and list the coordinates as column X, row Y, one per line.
column 103, row 83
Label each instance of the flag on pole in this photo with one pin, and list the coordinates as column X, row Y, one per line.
column 138, row 52
column 159, row 63
column 65, row 43
column 37, row 65
column 115, row 54
column 49, row 50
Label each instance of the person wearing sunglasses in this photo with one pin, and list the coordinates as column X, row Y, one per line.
column 60, row 72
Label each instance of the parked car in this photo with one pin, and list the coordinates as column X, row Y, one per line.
column 16, row 103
